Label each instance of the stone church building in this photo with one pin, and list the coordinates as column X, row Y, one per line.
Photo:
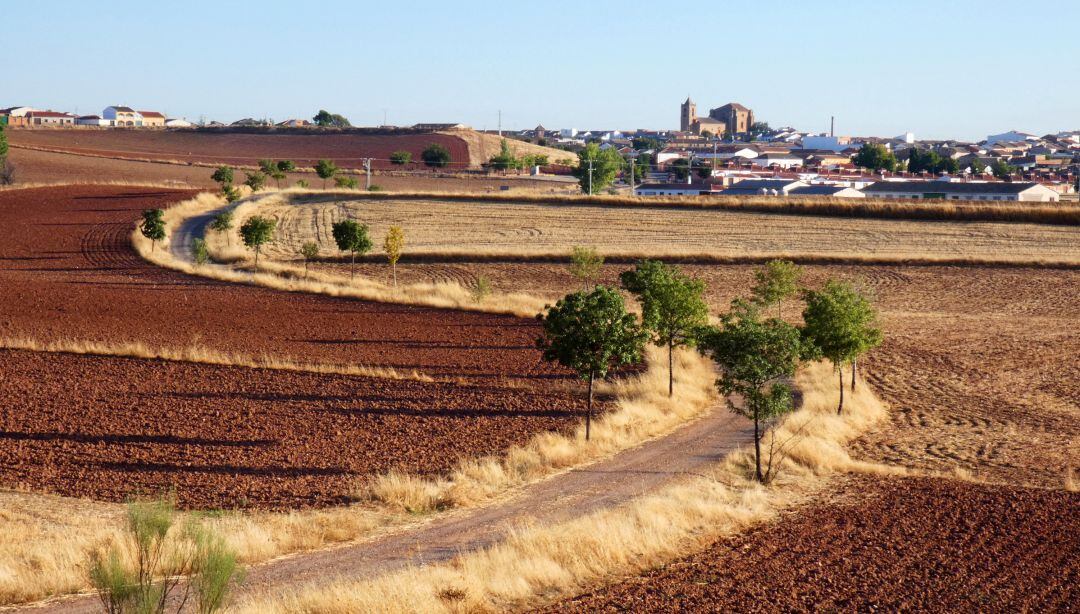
column 730, row 119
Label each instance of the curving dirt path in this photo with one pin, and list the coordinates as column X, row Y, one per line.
column 605, row 484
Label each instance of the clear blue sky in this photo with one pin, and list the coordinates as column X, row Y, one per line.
column 939, row 69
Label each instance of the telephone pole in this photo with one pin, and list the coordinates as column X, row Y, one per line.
column 590, row 176
column 367, row 173
column 500, row 122
column 633, row 167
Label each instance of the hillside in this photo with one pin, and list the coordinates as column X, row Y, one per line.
column 483, row 146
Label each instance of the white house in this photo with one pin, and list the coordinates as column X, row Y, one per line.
column 671, row 189
column 780, row 160
column 50, row 118
column 953, row 190
column 122, row 116
column 92, row 120
column 831, row 143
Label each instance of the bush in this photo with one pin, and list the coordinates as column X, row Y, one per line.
column 436, row 156
column 481, row 289
column 401, row 157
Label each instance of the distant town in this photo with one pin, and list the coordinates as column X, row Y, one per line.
column 729, row 152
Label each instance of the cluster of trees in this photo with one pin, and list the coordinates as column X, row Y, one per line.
column 925, row 160
column 326, row 119
column 591, row 332
column 7, row 169
column 875, row 157
column 597, row 168
column 506, row 160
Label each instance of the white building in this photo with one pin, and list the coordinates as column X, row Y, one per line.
column 671, row 189
column 826, row 191
column 177, row 123
column 763, row 187
column 1011, row 136
column 92, row 120
column 830, row 143
column 779, row 160
column 955, row 190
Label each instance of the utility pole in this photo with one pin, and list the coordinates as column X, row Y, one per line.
column 633, row 167
column 500, row 122
column 367, row 173
column 590, row 176
column 384, row 118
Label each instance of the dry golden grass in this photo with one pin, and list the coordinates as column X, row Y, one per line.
column 644, row 412
column 478, row 228
column 483, row 146
column 541, row 564
column 202, row 355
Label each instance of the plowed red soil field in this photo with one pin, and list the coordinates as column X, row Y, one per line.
column 347, row 150
column 109, row 427
column 881, row 545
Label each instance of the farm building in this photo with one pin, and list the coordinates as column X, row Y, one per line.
column 672, row 189
column 954, row 190
column 16, row 116
column 827, row 191
column 177, row 123
column 50, row 118
column 92, row 120
column 152, row 119
column 759, row 187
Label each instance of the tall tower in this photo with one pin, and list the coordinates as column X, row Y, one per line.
column 688, row 115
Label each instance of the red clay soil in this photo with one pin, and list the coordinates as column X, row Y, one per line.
column 68, row 272
column 224, row 437
column 304, row 148
column 888, row 545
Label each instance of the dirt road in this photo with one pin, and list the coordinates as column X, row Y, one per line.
column 602, row 485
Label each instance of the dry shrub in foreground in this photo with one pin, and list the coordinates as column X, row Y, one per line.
column 542, row 564
column 644, row 411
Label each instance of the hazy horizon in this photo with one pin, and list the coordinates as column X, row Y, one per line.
column 938, row 71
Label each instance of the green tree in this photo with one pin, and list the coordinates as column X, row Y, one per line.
column 673, row 306
column 346, row 182
column 759, row 129
column 776, row 281
column 642, row 143
column 591, row 334
column 680, row 168
column 401, row 158
column 352, row 237
column 256, row 181
column 223, row 222
column 1002, row 169
column 267, row 167
column 393, row 245
column 153, row 226
column 436, row 156
column 585, row 265
column 704, row 171
column 597, row 168
column 256, row 232
column 161, row 558
column 309, row 251
column 3, row 144
column 325, row 169
column 755, row 358
column 481, row 288
column 978, row 167
column 223, row 175
column 505, row 159
column 840, row 324
column 326, row 119
column 875, row 157
column 286, row 166
column 642, row 163
column 232, row 194
column 201, row 253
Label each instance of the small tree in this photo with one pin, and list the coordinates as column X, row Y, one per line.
column 680, row 168
column 597, row 168
column 393, row 246
column 256, row 181
column 776, row 281
column 1001, row 169
column 673, row 307
column 875, row 157
column 256, row 232
column 3, row 144
column 351, row 237
column 231, row 193
column 505, row 159
column 267, row 167
column 591, row 334
column 325, row 169
column 585, row 265
column 481, row 289
column 196, row 553
column 346, row 182
column 309, row 251
column 840, row 323
column 286, row 166
column 401, row 158
column 223, row 175
column 436, row 156
column 200, row 252
column 754, row 357
column 153, row 226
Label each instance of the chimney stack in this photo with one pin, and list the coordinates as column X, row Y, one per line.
column 832, row 125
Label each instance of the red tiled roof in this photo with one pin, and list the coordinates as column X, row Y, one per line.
column 154, row 114
column 48, row 114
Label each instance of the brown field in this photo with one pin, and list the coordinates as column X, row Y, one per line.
column 528, row 229
column 878, row 545
column 467, row 148
column 45, row 167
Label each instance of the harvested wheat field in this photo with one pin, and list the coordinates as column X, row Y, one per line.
column 472, row 229
column 878, row 545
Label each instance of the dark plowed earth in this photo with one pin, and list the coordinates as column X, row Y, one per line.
column 882, row 545
column 107, row 428
column 68, row 271
column 225, row 437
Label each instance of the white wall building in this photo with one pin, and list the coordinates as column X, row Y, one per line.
column 830, row 143
column 92, row 120
column 1011, row 136
column 954, row 190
